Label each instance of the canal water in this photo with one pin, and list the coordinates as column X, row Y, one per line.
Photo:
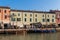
column 33, row 36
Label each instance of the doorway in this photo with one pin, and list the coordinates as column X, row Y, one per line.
column 5, row 26
column 59, row 25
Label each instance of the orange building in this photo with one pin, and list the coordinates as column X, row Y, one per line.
column 4, row 15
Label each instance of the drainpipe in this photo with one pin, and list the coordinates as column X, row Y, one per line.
column 2, row 19
column 33, row 19
column 45, row 19
column 13, row 20
column 22, row 19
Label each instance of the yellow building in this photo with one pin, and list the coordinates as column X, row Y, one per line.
column 50, row 18
column 45, row 18
column 26, row 17
column 16, row 17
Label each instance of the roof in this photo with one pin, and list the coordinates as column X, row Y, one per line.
column 31, row 11
column 54, row 10
column 5, row 7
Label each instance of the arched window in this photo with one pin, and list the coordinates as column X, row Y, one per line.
column 4, row 11
column 0, row 10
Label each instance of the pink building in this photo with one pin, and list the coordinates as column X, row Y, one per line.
column 57, row 16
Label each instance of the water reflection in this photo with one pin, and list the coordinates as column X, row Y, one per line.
column 33, row 36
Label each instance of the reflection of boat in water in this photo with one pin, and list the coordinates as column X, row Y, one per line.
column 42, row 31
column 48, row 31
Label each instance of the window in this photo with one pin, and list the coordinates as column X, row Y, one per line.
column 25, row 19
column 53, row 16
column 18, row 19
column 0, row 10
column 18, row 14
column 35, row 19
column 25, row 14
column 12, row 19
column 48, row 20
column 48, row 15
column 52, row 20
column 43, row 20
column 43, row 16
column 5, row 16
column 58, row 19
column 5, row 11
column 30, row 15
column 12, row 13
column 30, row 19
column 36, row 15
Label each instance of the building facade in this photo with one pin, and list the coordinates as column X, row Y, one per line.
column 57, row 12
column 4, row 16
column 16, row 18
column 26, row 17
column 58, row 17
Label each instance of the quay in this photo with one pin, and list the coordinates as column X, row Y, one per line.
column 13, row 31
column 24, row 31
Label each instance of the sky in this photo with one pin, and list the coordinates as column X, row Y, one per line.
column 41, row 5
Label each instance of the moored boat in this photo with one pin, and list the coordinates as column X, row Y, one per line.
column 42, row 31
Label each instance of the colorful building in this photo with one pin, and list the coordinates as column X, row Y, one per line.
column 26, row 17
column 4, row 15
column 57, row 12
column 16, row 17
